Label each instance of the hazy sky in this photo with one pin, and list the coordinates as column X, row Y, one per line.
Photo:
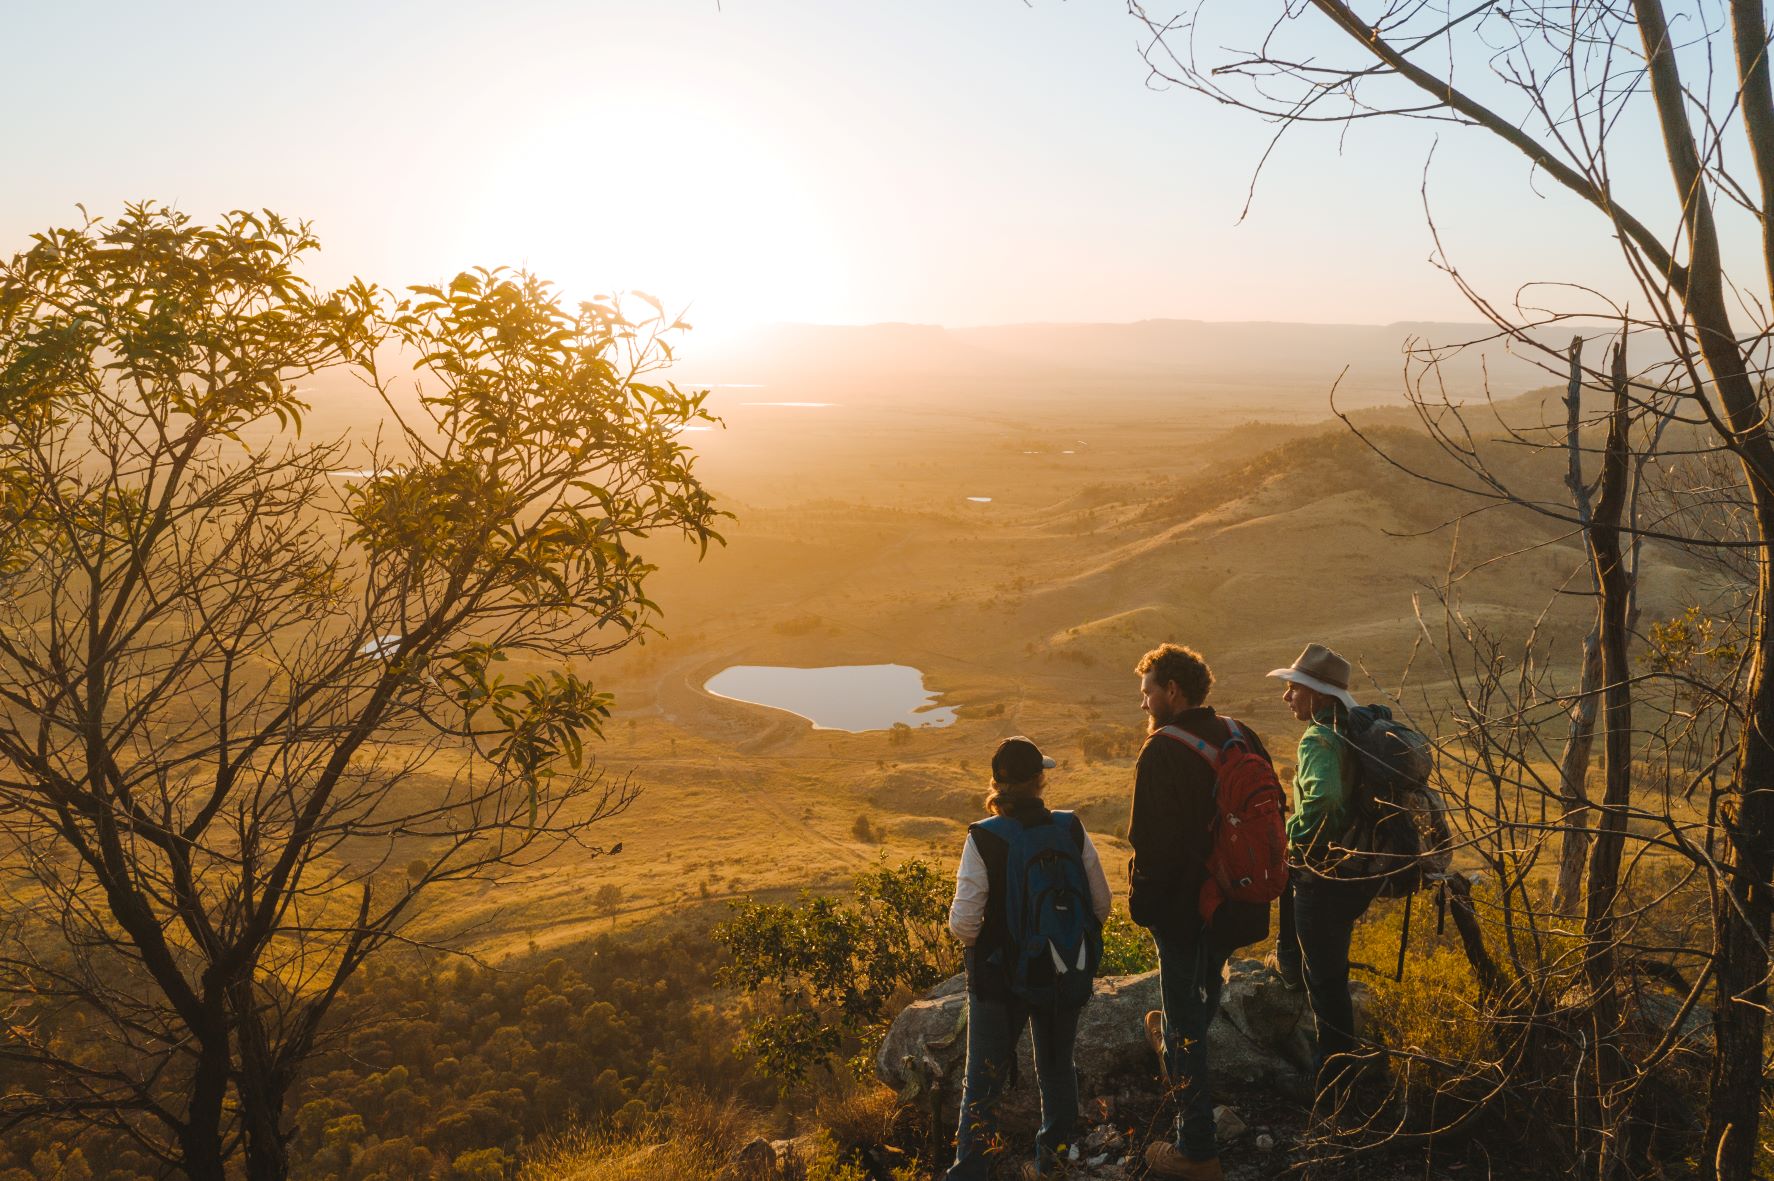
column 946, row 161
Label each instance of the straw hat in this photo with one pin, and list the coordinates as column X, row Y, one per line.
column 1321, row 669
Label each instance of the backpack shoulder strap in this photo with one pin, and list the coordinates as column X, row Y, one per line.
column 1200, row 746
column 1002, row 827
column 1245, row 739
column 1068, row 820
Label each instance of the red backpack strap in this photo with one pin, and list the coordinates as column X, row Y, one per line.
column 1200, row 746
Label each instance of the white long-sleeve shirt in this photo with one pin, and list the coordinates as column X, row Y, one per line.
column 967, row 914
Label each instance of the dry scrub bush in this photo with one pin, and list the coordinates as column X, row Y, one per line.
column 693, row 1137
column 1433, row 1010
column 644, row 1155
column 1493, row 1074
column 693, row 1149
column 860, row 1111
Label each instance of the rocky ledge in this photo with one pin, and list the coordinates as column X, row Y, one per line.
column 1259, row 1039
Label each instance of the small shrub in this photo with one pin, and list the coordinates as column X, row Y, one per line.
column 1431, row 1011
column 480, row 1164
column 829, row 970
column 1100, row 742
column 1127, row 948
column 608, row 900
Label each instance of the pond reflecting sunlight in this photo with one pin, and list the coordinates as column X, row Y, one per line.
column 853, row 697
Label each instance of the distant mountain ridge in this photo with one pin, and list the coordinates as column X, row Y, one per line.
column 1368, row 360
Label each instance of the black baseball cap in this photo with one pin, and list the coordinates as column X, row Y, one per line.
column 1017, row 759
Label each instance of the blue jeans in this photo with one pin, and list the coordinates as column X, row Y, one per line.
column 1318, row 919
column 1190, row 975
column 993, row 1028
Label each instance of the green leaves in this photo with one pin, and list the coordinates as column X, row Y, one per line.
column 204, row 326
column 545, row 719
column 831, row 967
column 1692, row 641
column 534, row 724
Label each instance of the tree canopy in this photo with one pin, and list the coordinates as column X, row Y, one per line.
column 254, row 684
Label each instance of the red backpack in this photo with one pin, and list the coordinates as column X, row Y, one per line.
column 1248, row 860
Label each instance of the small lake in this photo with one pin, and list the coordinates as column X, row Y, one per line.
column 853, row 697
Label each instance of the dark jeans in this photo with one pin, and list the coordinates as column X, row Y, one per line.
column 993, row 1029
column 1190, row 975
column 1317, row 922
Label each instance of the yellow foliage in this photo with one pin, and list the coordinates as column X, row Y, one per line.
column 652, row 1152
column 1432, row 1010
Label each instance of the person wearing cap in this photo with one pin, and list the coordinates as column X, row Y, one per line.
column 995, row 1019
column 1319, row 910
column 1171, row 831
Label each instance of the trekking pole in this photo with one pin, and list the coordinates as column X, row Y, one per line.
column 1404, row 936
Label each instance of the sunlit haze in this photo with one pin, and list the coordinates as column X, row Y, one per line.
column 758, row 160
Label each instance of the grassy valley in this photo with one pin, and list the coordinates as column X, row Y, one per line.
column 1021, row 548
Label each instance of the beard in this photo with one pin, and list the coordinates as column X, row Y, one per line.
column 1158, row 719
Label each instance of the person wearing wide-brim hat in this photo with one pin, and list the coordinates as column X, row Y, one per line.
column 1319, row 910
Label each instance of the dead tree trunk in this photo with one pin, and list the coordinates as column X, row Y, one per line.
column 1610, row 1096
column 1573, row 764
column 1491, row 982
column 1746, row 904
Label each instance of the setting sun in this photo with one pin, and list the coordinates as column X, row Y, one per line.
column 707, row 214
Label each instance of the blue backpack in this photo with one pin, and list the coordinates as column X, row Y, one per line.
column 1056, row 943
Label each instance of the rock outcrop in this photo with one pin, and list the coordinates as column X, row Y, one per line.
column 1261, row 1037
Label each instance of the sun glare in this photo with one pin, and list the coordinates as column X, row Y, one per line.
column 706, row 215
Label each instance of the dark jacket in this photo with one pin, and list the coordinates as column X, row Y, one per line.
column 1171, row 831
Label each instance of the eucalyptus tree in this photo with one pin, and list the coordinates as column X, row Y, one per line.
column 261, row 693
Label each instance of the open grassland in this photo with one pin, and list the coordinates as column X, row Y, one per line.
column 1110, row 516
column 1111, row 526
column 1242, row 521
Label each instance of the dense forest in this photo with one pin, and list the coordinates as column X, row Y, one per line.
column 448, row 1069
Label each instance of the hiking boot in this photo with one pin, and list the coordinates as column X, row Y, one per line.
column 1165, row 1159
column 1291, row 977
column 1155, row 1039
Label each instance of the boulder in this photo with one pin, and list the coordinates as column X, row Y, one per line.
column 1657, row 1013
column 755, row 1161
column 1260, row 1037
column 769, row 1160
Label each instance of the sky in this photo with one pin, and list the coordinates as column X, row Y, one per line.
column 955, row 162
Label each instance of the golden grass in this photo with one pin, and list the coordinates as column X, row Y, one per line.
column 854, row 543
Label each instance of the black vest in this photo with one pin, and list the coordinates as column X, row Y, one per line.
column 988, row 960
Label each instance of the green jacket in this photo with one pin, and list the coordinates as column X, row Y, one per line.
column 1321, row 793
